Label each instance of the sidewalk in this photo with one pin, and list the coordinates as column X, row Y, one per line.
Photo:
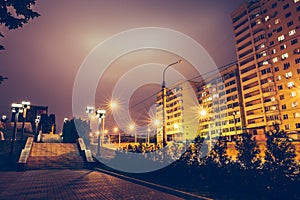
column 72, row 184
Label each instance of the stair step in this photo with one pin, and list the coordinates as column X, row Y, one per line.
column 54, row 156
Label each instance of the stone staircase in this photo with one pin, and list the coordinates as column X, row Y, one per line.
column 54, row 156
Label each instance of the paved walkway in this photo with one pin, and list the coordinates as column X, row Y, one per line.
column 72, row 184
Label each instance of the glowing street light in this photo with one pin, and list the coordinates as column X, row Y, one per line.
column 164, row 99
column 25, row 106
column 37, row 121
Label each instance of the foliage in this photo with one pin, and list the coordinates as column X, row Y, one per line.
column 248, row 152
column 280, row 169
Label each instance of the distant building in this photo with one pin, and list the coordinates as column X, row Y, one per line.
column 221, row 111
column 181, row 112
column 267, row 44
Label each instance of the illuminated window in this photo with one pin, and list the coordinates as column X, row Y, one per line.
column 258, row 21
column 296, row 115
column 265, row 62
column 273, row 51
column 284, row 56
column 293, row 94
column 288, row 75
column 267, row 18
column 280, row 38
column 294, row 104
column 292, row 32
column 272, row 98
column 275, row 60
column 295, row 1
column 278, row 78
column 277, row 21
column 290, row 84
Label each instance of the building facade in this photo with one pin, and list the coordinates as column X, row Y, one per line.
column 267, row 45
column 220, row 110
column 181, row 113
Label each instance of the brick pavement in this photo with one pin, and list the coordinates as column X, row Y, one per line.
column 72, row 184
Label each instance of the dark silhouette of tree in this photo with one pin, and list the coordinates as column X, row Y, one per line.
column 75, row 128
column 280, row 169
column 2, row 78
column 15, row 13
column 248, row 152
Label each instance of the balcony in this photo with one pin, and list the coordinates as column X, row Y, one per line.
column 267, row 94
column 253, row 107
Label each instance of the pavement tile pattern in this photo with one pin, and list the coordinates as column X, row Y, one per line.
column 72, row 184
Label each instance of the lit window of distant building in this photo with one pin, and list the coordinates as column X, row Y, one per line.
column 288, row 74
column 293, row 94
column 296, row 115
column 277, row 21
column 273, row 51
column 272, row 98
column 278, row 78
column 267, row 18
column 275, row 60
column 265, row 62
column 284, row 56
column 292, row 32
column 294, row 104
column 290, row 84
column 280, row 38
column 296, row 51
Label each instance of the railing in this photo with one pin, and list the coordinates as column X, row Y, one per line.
column 25, row 154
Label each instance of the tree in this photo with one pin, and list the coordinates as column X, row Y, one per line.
column 281, row 170
column 15, row 13
column 248, row 152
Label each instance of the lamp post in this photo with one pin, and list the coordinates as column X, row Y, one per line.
column 89, row 110
column 16, row 108
column 101, row 115
column 37, row 121
column 164, row 101
column 25, row 106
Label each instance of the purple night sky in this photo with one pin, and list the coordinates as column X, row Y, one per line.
column 42, row 58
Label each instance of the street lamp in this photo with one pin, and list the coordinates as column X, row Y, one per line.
column 25, row 106
column 164, row 99
column 37, row 121
column 148, row 135
column 3, row 118
column 15, row 108
column 89, row 110
column 101, row 115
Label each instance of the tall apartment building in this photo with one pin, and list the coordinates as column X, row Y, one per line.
column 221, row 113
column 181, row 112
column 267, row 45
